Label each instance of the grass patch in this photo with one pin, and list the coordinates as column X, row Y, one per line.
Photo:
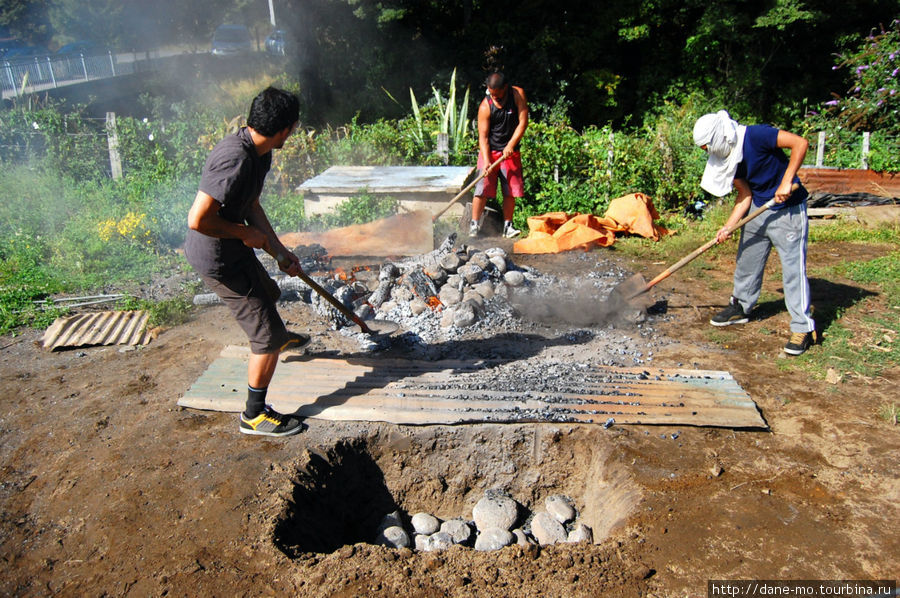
column 167, row 312
column 719, row 337
column 863, row 338
column 890, row 412
column 847, row 231
column 689, row 234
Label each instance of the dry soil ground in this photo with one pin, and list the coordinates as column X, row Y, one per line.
column 108, row 488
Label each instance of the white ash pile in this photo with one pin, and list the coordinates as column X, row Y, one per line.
column 497, row 521
column 450, row 292
column 435, row 295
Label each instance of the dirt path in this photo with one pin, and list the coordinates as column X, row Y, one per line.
column 109, row 488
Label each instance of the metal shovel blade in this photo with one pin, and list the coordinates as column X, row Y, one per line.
column 381, row 327
column 628, row 293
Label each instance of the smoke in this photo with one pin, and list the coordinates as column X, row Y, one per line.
column 583, row 303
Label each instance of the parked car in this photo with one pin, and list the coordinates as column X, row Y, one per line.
column 230, row 40
column 276, row 42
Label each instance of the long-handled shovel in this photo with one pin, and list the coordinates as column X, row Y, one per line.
column 466, row 189
column 370, row 327
column 635, row 285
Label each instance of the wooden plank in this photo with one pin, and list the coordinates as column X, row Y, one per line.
column 849, row 213
column 404, row 392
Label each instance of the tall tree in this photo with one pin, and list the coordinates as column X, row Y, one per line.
column 25, row 19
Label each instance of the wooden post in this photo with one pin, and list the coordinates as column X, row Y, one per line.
column 864, row 162
column 112, row 140
column 820, row 150
column 609, row 155
column 443, row 147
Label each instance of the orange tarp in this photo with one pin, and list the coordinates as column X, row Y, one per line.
column 557, row 231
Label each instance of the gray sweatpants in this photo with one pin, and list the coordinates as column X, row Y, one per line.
column 787, row 230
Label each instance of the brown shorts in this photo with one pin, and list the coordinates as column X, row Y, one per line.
column 251, row 294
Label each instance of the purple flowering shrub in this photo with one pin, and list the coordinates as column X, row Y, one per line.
column 872, row 102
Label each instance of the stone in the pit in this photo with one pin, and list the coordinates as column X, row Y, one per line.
column 387, row 306
column 464, row 315
column 481, row 260
column 455, row 281
column 447, row 317
column 436, row 273
column 493, row 538
column 522, row 539
column 390, row 520
column 421, row 543
column 449, row 295
column 496, row 252
column 439, row 541
column 459, row 530
column 485, row 289
column 499, row 263
column 514, row 278
column 417, row 306
column 425, row 523
column 474, row 297
column 581, row 533
column 471, row 273
column 547, row 530
column 560, row 507
column 401, row 294
column 451, row 262
column 495, row 511
column 393, row 536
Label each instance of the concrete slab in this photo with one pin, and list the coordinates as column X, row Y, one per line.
column 427, row 188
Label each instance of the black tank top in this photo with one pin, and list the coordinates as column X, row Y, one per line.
column 504, row 120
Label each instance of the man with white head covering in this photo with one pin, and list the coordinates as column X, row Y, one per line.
column 751, row 159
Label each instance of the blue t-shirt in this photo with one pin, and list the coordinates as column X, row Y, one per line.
column 763, row 166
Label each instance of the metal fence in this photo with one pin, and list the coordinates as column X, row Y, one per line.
column 37, row 73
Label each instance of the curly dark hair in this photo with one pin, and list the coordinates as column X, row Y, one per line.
column 273, row 110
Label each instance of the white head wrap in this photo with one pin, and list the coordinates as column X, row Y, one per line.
column 724, row 140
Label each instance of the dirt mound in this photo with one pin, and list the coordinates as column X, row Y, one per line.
column 109, row 488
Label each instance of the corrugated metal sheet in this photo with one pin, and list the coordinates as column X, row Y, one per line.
column 423, row 393
column 844, row 181
column 98, row 328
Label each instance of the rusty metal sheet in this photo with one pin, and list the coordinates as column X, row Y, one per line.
column 844, row 181
column 98, row 328
column 453, row 392
column 398, row 235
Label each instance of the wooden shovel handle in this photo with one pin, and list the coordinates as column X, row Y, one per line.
column 329, row 297
column 466, row 189
column 703, row 248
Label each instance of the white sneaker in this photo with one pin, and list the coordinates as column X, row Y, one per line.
column 474, row 228
column 509, row 232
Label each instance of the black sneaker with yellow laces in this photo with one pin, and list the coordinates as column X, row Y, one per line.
column 799, row 343
column 733, row 314
column 270, row 423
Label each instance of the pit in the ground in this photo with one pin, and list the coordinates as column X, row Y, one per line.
column 339, row 496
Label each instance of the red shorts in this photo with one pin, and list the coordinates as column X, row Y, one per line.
column 509, row 172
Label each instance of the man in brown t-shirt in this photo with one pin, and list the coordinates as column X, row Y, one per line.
column 226, row 223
